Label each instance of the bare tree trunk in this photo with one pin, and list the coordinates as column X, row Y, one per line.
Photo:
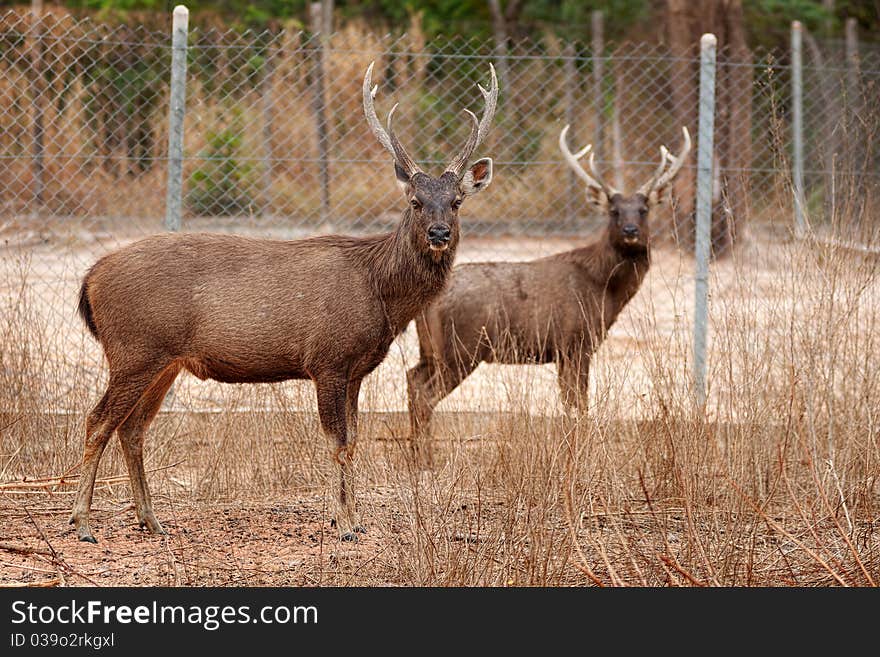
column 322, row 30
column 737, row 158
column 685, row 23
column 500, row 36
column 830, row 144
column 616, row 130
column 856, row 135
column 598, row 53
column 37, row 98
column 268, row 110
column 683, row 88
column 828, row 6
column 570, row 86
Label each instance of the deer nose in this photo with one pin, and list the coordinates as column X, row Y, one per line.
column 439, row 234
column 630, row 230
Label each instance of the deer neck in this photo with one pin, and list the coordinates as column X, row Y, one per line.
column 617, row 271
column 407, row 278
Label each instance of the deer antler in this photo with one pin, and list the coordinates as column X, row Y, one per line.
column 649, row 186
column 608, row 189
column 388, row 139
column 661, row 178
column 478, row 130
column 573, row 160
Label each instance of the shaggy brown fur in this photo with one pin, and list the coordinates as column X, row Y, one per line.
column 244, row 310
column 554, row 309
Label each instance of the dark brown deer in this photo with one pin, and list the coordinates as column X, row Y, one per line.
column 554, row 309
column 243, row 310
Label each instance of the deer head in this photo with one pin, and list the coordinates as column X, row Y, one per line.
column 627, row 214
column 433, row 203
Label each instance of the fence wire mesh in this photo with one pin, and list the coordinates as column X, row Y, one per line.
column 275, row 136
column 275, row 141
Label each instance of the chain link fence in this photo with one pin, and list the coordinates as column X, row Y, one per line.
column 275, row 140
column 275, row 137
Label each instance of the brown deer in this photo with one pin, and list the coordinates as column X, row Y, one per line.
column 242, row 310
column 554, row 309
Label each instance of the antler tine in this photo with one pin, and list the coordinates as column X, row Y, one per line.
column 491, row 100
column 401, row 156
column 389, row 142
column 652, row 181
column 675, row 162
column 370, row 111
column 480, row 128
column 573, row 159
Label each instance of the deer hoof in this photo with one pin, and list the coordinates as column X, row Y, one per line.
column 152, row 525
column 86, row 536
column 359, row 529
column 348, row 537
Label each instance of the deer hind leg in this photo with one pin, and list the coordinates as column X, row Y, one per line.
column 427, row 384
column 353, row 391
column 131, row 436
column 332, row 405
column 420, row 409
column 123, row 392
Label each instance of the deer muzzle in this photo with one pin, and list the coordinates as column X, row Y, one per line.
column 630, row 233
column 439, row 236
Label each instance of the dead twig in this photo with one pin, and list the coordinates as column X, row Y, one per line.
column 569, row 516
column 23, row 549
column 44, row 584
column 673, row 563
column 60, row 564
column 64, row 480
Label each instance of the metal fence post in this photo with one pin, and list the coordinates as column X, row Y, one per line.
column 570, row 71
column 39, row 105
column 797, row 100
column 268, row 111
column 598, row 48
column 705, row 148
column 320, row 37
column 174, row 197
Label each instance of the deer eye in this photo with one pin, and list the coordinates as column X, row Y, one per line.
column 416, row 204
column 643, row 212
column 456, row 203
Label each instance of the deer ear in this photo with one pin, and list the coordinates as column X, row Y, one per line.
column 597, row 197
column 402, row 178
column 477, row 178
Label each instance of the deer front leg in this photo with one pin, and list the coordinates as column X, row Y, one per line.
column 351, row 417
column 332, row 393
column 573, row 372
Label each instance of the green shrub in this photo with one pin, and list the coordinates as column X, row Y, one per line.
column 221, row 186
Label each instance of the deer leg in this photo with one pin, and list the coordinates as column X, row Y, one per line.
column 427, row 385
column 417, row 395
column 332, row 410
column 122, row 394
column 131, row 436
column 351, row 417
column 573, row 373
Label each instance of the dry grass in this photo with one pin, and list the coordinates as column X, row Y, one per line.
column 775, row 483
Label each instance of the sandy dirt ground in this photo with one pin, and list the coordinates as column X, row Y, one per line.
column 658, row 318
column 288, row 540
